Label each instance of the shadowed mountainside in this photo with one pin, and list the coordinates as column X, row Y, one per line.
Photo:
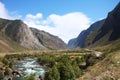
column 100, row 33
column 111, row 25
column 79, row 42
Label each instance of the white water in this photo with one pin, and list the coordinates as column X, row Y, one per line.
column 29, row 66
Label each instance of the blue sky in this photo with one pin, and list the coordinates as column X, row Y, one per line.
column 44, row 14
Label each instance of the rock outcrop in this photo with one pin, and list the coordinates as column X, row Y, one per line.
column 48, row 40
column 16, row 34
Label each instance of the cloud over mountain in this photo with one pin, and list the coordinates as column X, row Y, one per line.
column 3, row 11
column 65, row 26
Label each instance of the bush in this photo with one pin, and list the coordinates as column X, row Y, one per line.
column 11, row 64
column 31, row 77
column 47, row 59
column 5, row 61
column 8, row 71
column 52, row 74
column 60, row 67
column 67, row 73
column 1, row 75
column 77, row 71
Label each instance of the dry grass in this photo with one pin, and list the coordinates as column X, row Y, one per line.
column 108, row 69
column 54, row 52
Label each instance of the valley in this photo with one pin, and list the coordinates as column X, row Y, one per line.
column 28, row 53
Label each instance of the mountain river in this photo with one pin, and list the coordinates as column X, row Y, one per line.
column 29, row 66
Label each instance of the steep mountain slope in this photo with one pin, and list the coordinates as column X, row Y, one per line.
column 111, row 27
column 6, row 43
column 48, row 40
column 20, row 33
column 102, row 32
column 15, row 34
column 80, row 40
column 109, row 37
column 71, row 43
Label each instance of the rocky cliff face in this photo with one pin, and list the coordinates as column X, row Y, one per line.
column 20, row 33
column 81, row 39
column 111, row 26
column 102, row 32
column 16, row 31
column 48, row 40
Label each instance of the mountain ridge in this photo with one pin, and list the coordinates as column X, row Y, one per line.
column 16, row 31
column 104, row 34
column 112, row 23
column 80, row 40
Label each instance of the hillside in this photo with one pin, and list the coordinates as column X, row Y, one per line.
column 108, row 68
column 15, row 35
column 71, row 43
column 48, row 40
column 80, row 41
column 111, row 27
column 100, row 33
column 109, row 32
column 106, row 40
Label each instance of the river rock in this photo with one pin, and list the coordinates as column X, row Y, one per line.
column 94, row 57
column 18, row 73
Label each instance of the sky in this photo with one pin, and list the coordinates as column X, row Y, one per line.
column 62, row 18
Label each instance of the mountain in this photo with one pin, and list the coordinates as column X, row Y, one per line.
column 80, row 40
column 102, row 32
column 111, row 28
column 71, row 43
column 18, row 31
column 16, row 35
column 48, row 40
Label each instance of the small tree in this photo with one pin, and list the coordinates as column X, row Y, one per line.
column 52, row 74
column 77, row 71
column 1, row 75
column 55, row 73
column 67, row 73
column 31, row 77
column 8, row 71
column 11, row 64
column 48, row 75
column 5, row 61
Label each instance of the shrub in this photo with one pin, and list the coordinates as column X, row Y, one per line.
column 8, row 71
column 31, row 77
column 5, row 61
column 52, row 74
column 1, row 75
column 67, row 73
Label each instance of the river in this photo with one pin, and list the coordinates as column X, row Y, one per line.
column 29, row 66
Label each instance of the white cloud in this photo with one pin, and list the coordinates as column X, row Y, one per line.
column 3, row 11
column 66, row 26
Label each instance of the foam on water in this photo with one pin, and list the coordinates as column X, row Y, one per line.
column 29, row 66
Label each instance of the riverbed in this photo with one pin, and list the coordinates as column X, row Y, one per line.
column 29, row 66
